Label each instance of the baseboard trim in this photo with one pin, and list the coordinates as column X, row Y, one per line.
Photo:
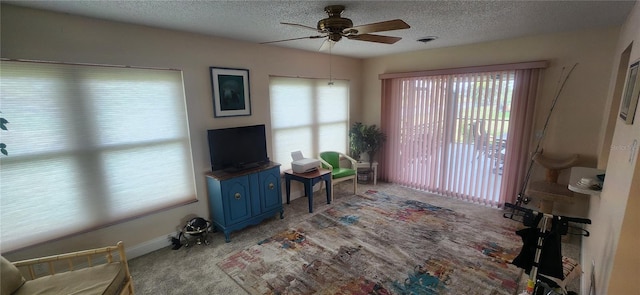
column 163, row 241
column 149, row 246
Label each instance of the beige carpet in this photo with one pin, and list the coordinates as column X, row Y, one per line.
column 195, row 270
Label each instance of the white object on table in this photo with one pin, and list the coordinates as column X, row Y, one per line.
column 576, row 176
column 297, row 155
column 375, row 170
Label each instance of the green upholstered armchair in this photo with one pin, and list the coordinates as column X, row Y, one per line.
column 331, row 160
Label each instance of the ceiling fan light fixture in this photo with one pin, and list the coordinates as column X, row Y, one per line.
column 335, row 37
column 427, row 39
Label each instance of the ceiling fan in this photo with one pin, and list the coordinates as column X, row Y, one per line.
column 335, row 27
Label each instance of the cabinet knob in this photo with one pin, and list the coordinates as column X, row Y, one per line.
column 271, row 186
column 237, row 196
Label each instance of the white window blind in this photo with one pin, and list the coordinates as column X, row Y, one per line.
column 89, row 146
column 308, row 115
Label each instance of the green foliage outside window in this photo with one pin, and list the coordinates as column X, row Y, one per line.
column 3, row 126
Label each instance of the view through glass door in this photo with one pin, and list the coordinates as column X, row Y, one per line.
column 453, row 133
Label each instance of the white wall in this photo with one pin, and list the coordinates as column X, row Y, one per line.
column 42, row 35
column 615, row 240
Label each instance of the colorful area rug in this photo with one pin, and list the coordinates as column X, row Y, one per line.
column 383, row 244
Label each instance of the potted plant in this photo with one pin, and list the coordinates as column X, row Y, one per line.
column 357, row 145
column 365, row 139
column 374, row 139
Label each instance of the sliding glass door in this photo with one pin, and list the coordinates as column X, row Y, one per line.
column 449, row 133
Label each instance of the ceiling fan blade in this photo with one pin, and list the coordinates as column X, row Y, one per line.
column 308, row 37
column 301, row 26
column 375, row 38
column 390, row 25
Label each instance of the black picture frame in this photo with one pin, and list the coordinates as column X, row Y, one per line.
column 231, row 96
column 631, row 94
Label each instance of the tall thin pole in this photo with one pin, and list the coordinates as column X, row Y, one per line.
column 521, row 197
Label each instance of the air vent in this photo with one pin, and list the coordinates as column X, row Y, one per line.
column 427, row 39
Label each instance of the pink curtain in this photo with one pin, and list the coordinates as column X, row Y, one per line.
column 460, row 134
column 520, row 131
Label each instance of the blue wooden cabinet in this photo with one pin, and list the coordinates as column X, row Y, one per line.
column 240, row 199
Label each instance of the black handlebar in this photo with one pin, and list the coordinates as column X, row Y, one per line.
column 570, row 219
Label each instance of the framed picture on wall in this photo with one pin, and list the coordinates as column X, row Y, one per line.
column 631, row 94
column 230, row 92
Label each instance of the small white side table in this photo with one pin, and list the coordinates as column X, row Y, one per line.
column 375, row 170
column 578, row 173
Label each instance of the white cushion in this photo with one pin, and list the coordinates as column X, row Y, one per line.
column 99, row 279
column 10, row 277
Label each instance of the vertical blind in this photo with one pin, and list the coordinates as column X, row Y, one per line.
column 89, row 146
column 451, row 133
column 308, row 115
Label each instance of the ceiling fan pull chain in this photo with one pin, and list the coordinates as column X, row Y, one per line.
column 330, row 79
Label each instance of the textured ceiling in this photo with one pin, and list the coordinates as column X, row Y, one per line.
column 453, row 22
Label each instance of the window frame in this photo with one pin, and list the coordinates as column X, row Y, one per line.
column 317, row 92
column 92, row 190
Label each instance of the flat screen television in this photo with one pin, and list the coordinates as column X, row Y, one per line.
column 237, row 148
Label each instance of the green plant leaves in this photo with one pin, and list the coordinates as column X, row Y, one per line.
column 3, row 123
column 365, row 139
column 3, row 126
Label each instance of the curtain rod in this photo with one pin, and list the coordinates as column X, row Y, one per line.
column 85, row 64
column 473, row 69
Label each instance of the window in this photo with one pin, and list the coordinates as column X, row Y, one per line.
column 89, row 146
column 460, row 132
column 308, row 115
